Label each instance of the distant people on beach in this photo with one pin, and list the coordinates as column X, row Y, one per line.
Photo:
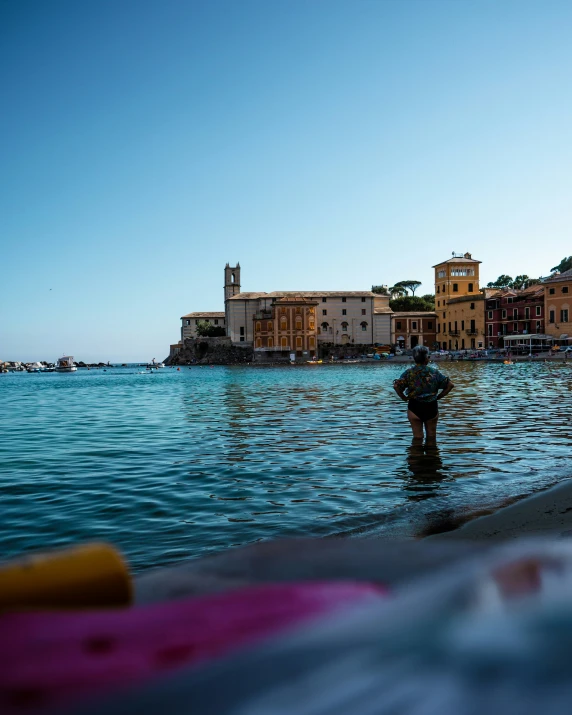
column 422, row 387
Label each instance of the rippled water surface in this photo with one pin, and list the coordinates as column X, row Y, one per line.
column 181, row 463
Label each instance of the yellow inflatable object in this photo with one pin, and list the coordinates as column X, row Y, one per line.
column 88, row 576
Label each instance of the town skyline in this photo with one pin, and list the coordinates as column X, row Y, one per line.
column 327, row 147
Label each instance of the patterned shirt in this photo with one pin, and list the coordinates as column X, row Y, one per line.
column 422, row 383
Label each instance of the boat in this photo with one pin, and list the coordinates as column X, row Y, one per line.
column 156, row 365
column 65, row 364
column 49, row 368
column 314, row 362
column 34, row 367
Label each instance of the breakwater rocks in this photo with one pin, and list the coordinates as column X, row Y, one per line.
column 211, row 351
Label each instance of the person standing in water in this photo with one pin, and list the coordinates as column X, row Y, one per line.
column 422, row 387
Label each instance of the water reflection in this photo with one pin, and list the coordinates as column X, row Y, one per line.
column 426, row 471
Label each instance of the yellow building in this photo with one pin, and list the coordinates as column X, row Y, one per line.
column 459, row 304
column 558, row 306
column 289, row 326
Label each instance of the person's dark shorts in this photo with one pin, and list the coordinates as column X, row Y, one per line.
column 425, row 411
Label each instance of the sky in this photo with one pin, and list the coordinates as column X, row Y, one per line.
column 324, row 144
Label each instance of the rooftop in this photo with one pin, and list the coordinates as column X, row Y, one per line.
column 464, row 258
column 305, row 294
column 415, row 314
column 204, row 315
column 566, row 276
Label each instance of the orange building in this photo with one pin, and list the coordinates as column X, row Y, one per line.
column 414, row 328
column 558, row 306
column 459, row 304
column 289, row 326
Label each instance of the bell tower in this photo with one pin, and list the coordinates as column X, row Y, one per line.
column 231, row 281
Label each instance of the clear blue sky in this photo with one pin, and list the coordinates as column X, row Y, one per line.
column 325, row 145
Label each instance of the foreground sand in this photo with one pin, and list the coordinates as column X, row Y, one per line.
column 547, row 513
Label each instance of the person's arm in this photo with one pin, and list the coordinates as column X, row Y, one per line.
column 397, row 387
column 446, row 390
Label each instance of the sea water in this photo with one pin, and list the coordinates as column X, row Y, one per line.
column 173, row 464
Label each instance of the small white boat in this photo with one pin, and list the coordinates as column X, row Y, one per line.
column 65, row 364
column 34, row 367
column 155, row 365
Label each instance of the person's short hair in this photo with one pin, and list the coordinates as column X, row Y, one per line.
column 420, row 354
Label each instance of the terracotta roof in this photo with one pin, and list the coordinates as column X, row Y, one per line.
column 306, row 294
column 566, row 276
column 203, row 315
column 380, row 311
column 467, row 258
column 415, row 314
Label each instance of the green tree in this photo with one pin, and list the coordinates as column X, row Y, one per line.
column 209, row 330
column 380, row 290
column 409, row 285
column 397, row 290
column 501, row 282
column 564, row 265
column 412, row 302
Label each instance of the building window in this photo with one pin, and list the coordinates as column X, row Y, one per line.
column 344, row 326
column 258, row 326
column 414, row 325
column 325, row 326
column 363, row 325
column 298, row 324
column 449, row 326
column 343, row 299
column 470, row 287
column 311, row 325
column 490, row 314
column 283, row 323
column 363, row 300
column 438, row 327
column 438, row 303
column 515, row 313
column 430, row 325
column 242, row 330
column 462, row 324
column 564, row 315
column 324, row 300
column 441, row 274
column 344, row 311
column 398, row 325
column 444, row 316
column 298, row 343
column 455, row 287
column 187, row 322
column 363, row 310
column 472, row 306
column 258, row 342
column 538, row 326
column 527, row 313
column 538, row 310
column 324, row 312
column 270, row 342
column 283, row 342
column 565, row 289
column 551, row 291
column 490, row 327
column 516, row 327
column 509, row 300
column 311, row 342
column 438, row 289
column 242, row 339
column 551, row 316
column 504, row 315
column 269, row 326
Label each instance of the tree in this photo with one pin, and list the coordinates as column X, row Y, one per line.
column 409, row 285
column 501, row 282
column 209, row 330
column 564, row 265
column 520, row 282
column 380, row 290
column 397, row 290
column 412, row 302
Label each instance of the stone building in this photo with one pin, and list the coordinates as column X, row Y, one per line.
column 191, row 320
column 289, row 326
column 414, row 328
column 341, row 317
column 558, row 306
column 459, row 305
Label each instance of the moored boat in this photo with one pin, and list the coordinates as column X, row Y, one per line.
column 65, row 364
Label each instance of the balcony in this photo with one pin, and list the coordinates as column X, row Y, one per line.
column 454, row 333
column 472, row 331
